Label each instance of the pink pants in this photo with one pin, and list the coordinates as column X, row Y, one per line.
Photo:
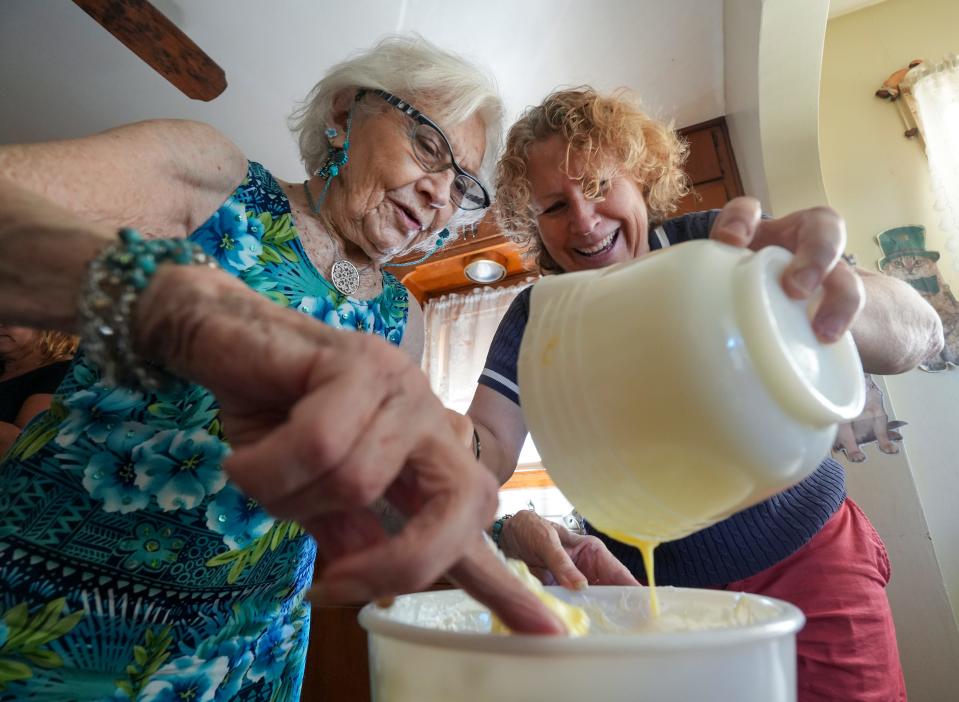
column 847, row 650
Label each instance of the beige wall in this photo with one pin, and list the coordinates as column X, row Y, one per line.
column 878, row 179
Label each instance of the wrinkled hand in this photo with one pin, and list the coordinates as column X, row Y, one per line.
column 817, row 238
column 322, row 422
column 559, row 556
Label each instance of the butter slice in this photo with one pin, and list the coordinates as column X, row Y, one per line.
column 574, row 618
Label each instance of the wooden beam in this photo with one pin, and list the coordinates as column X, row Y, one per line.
column 150, row 35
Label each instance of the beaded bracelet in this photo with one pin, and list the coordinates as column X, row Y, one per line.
column 497, row 529
column 115, row 280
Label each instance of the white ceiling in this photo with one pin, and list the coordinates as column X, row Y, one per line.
column 62, row 75
column 838, row 8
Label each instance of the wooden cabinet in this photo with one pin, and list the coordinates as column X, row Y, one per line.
column 711, row 167
column 443, row 272
column 336, row 662
column 337, row 665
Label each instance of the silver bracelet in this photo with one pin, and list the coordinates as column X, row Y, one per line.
column 114, row 282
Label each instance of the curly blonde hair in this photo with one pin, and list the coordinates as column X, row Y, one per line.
column 612, row 135
column 57, row 346
column 42, row 348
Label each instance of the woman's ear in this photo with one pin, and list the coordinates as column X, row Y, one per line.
column 343, row 102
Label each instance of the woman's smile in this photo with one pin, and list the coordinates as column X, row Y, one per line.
column 600, row 247
column 409, row 221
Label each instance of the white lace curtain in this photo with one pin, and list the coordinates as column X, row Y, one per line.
column 459, row 330
column 935, row 89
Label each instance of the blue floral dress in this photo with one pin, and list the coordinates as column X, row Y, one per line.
column 130, row 567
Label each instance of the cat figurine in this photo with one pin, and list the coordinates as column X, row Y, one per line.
column 907, row 259
column 923, row 274
column 871, row 425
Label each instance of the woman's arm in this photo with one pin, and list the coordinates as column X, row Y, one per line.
column 8, row 434
column 163, row 177
column 62, row 202
column 44, row 254
column 31, row 407
column 501, row 428
column 896, row 329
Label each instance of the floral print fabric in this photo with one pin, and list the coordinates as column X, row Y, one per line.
column 130, row 567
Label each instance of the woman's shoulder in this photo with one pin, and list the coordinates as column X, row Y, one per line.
column 513, row 323
column 686, row 227
column 259, row 195
column 259, row 182
column 521, row 301
column 200, row 153
column 199, row 160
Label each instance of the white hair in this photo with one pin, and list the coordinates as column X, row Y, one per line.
column 418, row 71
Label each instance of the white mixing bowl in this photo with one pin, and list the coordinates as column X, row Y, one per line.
column 436, row 647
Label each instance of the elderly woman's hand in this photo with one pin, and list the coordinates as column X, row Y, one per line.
column 557, row 556
column 322, row 422
column 817, row 237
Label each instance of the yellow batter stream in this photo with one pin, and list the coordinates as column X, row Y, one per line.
column 646, row 548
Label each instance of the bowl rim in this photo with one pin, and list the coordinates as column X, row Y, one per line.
column 790, row 620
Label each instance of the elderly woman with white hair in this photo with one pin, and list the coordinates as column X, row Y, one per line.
column 156, row 522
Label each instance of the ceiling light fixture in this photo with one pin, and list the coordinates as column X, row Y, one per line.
column 488, row 267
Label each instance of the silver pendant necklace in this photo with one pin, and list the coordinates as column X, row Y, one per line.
column 343, row 274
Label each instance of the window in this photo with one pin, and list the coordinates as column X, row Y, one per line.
column 459, row 331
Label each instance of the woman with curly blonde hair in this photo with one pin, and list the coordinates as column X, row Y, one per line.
column 588, row 181
column 600, row 138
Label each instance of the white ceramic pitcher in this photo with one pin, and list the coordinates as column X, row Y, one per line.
column 665, row 394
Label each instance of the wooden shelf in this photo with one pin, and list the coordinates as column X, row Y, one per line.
column 443, row 272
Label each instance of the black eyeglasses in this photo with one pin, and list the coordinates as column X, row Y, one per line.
column 434, row 153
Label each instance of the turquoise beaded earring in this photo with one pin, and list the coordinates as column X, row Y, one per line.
column 336, row 158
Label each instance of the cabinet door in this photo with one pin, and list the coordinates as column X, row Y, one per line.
column 711, row 167
column 707, row 196
column 703, row 163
